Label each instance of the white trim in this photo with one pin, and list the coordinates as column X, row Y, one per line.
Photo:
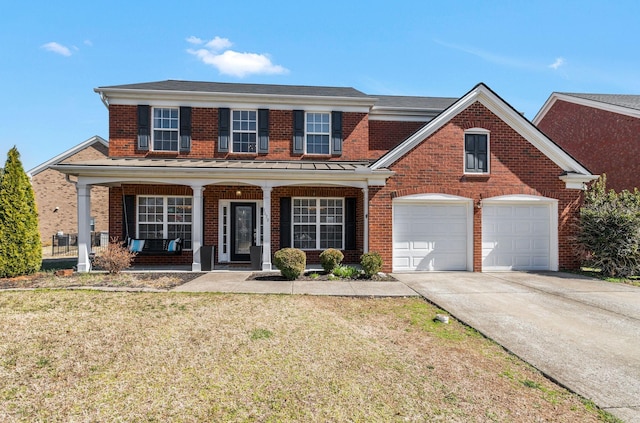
column 481, row 93
column 437, row 198
column 553, row 219
column 225, row 257
column 476, row 131
column 152, row 146
column 70, row 152
column 255, row 144
column 317, row 223
column 125, row 96
column 546, row 107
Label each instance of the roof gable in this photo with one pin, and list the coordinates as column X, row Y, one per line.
column 623, row 104
column 62, row 156
column 484, row 95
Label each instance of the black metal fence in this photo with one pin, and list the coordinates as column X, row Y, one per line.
column 67, row 244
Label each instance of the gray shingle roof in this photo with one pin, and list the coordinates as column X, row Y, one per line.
column 239, row 88
column 410, row 102
column 623, row 100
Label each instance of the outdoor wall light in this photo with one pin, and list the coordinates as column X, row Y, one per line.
column 238, row 193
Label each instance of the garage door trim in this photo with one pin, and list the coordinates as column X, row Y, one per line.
column 553, row 218
column 436, row 198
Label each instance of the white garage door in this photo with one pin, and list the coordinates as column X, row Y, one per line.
column 430, row 237
column 517, row 237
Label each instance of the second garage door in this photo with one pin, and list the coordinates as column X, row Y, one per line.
column 518, row 236
column 430, row 236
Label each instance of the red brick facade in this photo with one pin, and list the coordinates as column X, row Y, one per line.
column 603, row 141
column 436, row 166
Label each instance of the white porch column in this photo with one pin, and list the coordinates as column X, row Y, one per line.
column 365, row 236
column 266, row 235
column 84, row 227
column 196, row 227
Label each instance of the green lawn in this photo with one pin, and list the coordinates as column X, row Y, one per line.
column 100, row 356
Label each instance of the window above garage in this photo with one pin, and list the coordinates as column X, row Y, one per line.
column 476, row 152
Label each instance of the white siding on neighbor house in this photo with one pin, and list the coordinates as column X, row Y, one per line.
column 430, row 236
column 519, row 236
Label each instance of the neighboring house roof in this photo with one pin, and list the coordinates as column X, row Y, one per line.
column 63, row 156
column 626, row 104
column 574, row 172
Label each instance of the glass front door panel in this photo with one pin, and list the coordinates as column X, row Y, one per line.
column 244, row 227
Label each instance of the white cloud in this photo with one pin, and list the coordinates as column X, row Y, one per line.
column 218, row 44
column 559, row 62
column 57, row 48
column 88, row 43
column 230, row 62
column 194, row 40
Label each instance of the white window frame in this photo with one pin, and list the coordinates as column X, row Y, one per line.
column 233, row 132
column 307, row 133
column 318, row 224
column 476, row 131
column 153, row 128
column 165, row 216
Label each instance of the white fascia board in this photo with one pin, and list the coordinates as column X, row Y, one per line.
column 107, row 174
column 400, row 114
column 70, row 152
column 584, row 102
column 577, row 181
column 206, row 99
column 496, row 105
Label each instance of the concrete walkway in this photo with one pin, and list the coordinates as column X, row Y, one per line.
column 583, row 333
column 236, row 281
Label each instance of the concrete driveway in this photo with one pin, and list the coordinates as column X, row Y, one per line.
column 583, row 333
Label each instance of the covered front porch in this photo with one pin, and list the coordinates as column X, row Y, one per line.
column 229, row 208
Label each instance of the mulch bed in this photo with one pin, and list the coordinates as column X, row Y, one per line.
column 314, row 276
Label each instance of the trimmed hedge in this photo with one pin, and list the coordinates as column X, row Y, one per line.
column 291, row 262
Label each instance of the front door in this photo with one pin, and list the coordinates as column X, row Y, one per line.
column 243, row 230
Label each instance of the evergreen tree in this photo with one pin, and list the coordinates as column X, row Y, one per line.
column 20, row 248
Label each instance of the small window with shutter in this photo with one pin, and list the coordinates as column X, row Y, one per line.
column 476, row 152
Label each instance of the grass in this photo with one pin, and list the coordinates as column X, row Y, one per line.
column 104, row 356
column 596, row 273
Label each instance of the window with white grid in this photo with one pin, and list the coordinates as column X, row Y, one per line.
column 317, row 133
column 165, row 129
column 245, row 131
column 165, row 218
column 318, row 223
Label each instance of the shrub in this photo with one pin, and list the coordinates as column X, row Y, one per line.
column 115, row 258
column 346, row 272
column 609, row 230
column 371, row 263
column 331, row 258
column 20, row 248
column 291, row 262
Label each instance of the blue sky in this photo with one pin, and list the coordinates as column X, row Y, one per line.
column 53, row 54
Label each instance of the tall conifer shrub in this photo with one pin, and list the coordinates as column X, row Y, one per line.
column 20, row 248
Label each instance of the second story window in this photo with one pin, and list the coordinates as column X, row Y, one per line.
column 318, row 131
column 245, row 131
column 476, row 152
column 165, row 129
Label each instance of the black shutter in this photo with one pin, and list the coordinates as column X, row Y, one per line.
column 336, row 133
column 129, row 210
column 298, row 131
column 263, row 130
column 144, row 127
column 350, row 224
column 224, row 129
column 185, row 129
column 475, row 152
column 285, row 222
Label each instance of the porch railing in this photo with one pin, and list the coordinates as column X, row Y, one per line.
column 67, row 244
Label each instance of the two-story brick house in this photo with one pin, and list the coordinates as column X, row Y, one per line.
column 429, row 183
column 600, row 130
